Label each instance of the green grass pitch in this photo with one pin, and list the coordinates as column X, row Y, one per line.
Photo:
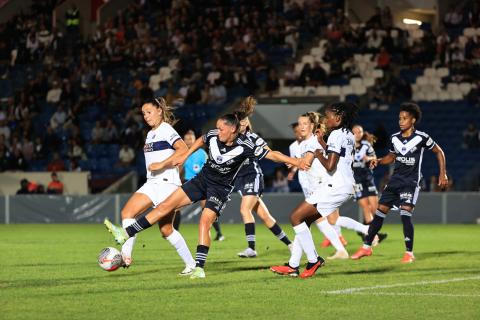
column 50, row 272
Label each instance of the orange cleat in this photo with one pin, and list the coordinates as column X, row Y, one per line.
column 408, row 258
column 325, row 243
column 307, row 273
column 362, row 252
column 343, row 240
column 285, row 270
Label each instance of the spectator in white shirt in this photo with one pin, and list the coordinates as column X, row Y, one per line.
column 54, row 94
column 125, row 156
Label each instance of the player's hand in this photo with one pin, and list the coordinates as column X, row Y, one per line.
column 291, row 175
column 155, row 166
column 373, row 163
column 443, row 181
column 303, row 165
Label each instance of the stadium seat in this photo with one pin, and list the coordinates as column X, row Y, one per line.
column 360, row 90
column 452, row 86
column 455, row 95
column 431, row 96
column 377, row 73
column 469, row 32
column 321, row 91
column 421, row 81
column 308, row 59
column 430, row 72
column 172, row 64
column 310, row 90
column 334, row 90
column 368, row 82
column 465, row 87
column 443, row 95
column 154, row 82
column 443, row 72
column 298, row 91
column 285, row 91
column 326, row 67
column 355, row 82
column 346, row 90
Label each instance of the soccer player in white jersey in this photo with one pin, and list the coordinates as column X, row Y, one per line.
column 228, row 151
column 406, row 152
column 336, row 186
column 249, row 183
column 163, row 147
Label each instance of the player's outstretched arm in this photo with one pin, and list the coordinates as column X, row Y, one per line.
column 388, row 159
column 195, row 146
column 180, row 150
column 277, row 156
column 442, row 164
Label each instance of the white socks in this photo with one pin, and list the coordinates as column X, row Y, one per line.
column 296, row 255
column 304, row 236
column 349, row 223
column 127, row 247
column 330, row 233
column 337, row 229
column 179, row 243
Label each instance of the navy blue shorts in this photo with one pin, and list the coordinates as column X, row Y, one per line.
column 216, row 196
column 250, row 185
column 365, row 188
column 398, row 195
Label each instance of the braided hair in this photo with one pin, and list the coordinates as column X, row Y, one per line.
column 413, row 109
column 348, row 111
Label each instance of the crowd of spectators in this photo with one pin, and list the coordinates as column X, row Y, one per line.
column 217, row 46
column 394, row 50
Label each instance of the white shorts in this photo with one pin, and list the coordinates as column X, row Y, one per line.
column 157, row 191
column 327, row 200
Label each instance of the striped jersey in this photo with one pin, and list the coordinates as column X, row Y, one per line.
column 252, row 167
column 158, row 147
column 224, row 162
column 408, row 156
column 361, row 169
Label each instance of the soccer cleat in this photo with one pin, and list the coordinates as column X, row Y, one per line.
column 285, row 270
column 187, row 271
column 325, row 243
column 119, row 234
column 376, row 241
column 198, row 273
column 339, row 255
column 408, row 258
column 382, row 236
column 342, row 239
column 362, row 252
column 248, row 253
column 219, row 238
column 309, row 272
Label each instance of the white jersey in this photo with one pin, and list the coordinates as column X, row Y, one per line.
column 310, row 180
column 158, row 147
column 342, row 142
column 293, row 148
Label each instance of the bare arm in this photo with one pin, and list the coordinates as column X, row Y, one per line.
column 388, row 159
column 180, row 150
column 277, row 156
column 195, row 146
column 329, row 162
column 442, row 164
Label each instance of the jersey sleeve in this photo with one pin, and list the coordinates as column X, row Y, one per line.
column 291, row 150
column 391, row 147
column 335, row 142
column 429, row 143
column 313, row 145
column 210, row 134
column 171, row 135
column 370, row 150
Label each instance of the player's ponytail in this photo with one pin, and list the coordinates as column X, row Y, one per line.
column 245, row 110
column 167, row 110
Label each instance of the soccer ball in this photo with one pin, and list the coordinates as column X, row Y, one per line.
column 110, row 259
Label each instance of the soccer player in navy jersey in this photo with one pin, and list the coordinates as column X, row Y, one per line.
column 406, row 151
column 249, row 183
column 228, row 151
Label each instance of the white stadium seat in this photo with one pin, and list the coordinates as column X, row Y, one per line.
column 429, row 72
column 334, row 90
column 469, row 32
column 453, row 87
column 298, row 91
column 431, row 96
column 172, row 64
column 308, row 59
column 321, row 91
column 285, row 91
column 360, row 90
column 421, row 81
column 356, row 82
column 455, row 95
column 465, row 87
column 443, row 72
column 346, row 90
column 377, row 73
column 154, row 82
column 443, row 95
column 368, row 82
column 310, row 91
column 326, row 67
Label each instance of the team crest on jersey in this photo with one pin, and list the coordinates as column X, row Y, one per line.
column 219, row 159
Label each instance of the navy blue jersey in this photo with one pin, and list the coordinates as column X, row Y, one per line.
column 361, row 170
column 252, row 166
column 224, row 162
column 408, row 157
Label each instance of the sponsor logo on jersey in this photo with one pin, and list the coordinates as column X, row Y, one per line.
column 409, row 161
column 218, row 203
column 258, row 151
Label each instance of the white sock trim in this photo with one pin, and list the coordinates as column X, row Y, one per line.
column 128, row 222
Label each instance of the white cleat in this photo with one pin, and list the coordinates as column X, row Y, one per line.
column 248, row 253
column 339, row 255
column 187, row 271
column 198, row 273
column 375, row 241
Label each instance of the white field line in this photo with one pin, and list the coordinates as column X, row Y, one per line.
column 396, row 285
column 433, row 294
